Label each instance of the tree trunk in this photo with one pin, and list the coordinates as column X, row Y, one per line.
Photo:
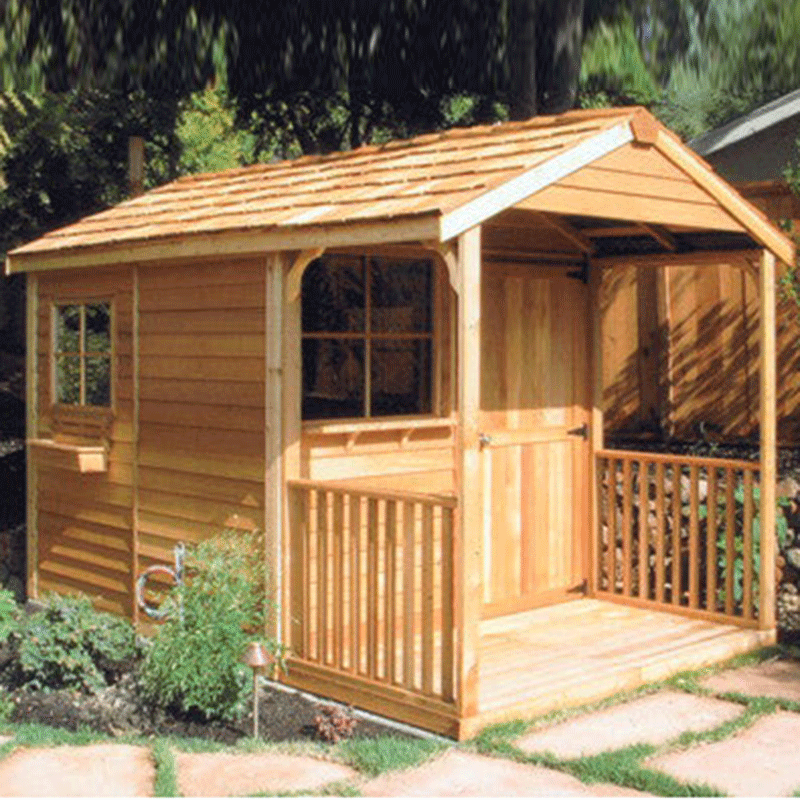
column 560, row 26
column 522, row 48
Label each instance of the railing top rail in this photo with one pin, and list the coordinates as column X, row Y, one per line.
column 347, row 487
column 676, row 458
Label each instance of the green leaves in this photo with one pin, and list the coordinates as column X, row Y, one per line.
column 69, row 645
column 193, row 664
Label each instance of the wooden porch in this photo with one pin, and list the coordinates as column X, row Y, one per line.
column 588, row 649
column 374, row 595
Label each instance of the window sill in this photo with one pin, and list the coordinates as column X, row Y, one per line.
column 74, row 457
column 382, row 424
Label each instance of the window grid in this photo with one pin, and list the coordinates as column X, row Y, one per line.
column 368, row 336
column 82, row 354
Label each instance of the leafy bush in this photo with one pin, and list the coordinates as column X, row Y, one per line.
column 9, row 616
column 193, row 664
column 70, row 645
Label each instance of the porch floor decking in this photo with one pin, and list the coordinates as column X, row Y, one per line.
column 585, row 650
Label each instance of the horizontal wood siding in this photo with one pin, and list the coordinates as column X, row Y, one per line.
column 201, row 403
column 85, row 521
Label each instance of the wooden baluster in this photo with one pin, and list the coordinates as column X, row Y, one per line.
column 676, row 534
column 355, row 583
column 372, row 587
column 644, row 534
column 660, row 531
column 338, row 580
column 409, row 569
column 612, row 524
column 427, row 599
column 711, row 541
column 694, row 537
column 627, row 510
column 447, row 604
column 730, row 532
column 390, row 620
column 322, row 576
column 298, row 533
column 747, row 547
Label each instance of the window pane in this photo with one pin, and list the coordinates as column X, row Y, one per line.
column 333, row 378
column 333, row 296
column 401, row 296
column 68, row 380
column 98, row 381
column 68, row 329
column 401, row 377
column 98, row 328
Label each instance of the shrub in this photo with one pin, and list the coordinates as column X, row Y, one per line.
column 193, row 664
column 9, row 616
column 70, row 645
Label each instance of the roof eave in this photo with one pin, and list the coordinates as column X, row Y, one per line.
column 232, row 243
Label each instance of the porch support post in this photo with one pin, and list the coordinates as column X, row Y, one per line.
column 291, row 413
column 768, row 453
column 595, row 335
column 469, row 542
column 273, row 438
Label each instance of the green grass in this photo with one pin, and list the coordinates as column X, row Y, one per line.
column 385, row 753
column 166, row 781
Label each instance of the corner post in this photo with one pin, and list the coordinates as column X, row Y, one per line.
column 468, row 468
column 31, row 432
column 595, row 422
column 768, row 452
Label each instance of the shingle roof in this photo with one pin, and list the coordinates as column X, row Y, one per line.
column 428, row 175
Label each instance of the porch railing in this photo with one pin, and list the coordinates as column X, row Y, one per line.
column 679, row 531
column 371, row 593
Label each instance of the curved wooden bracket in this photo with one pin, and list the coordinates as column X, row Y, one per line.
column 447, row 252
column 294, row 279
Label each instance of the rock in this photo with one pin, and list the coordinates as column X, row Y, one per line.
column 788, row 487
column 792, row 555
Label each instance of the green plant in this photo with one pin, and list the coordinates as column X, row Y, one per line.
column 166, row 782
column 374, row 756
column 9, row 616
column 70, row 645
column 193, row 664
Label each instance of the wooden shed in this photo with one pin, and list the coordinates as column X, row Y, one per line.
column 388, row 359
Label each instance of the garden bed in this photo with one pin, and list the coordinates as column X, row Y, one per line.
column 284, row 716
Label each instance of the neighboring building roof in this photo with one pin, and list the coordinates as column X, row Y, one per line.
column 756, row 121
column 429, row 188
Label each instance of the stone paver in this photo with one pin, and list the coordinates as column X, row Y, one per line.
column 653, row 719
column 101, row 770
column 771, row 679
column 459, row 774
column 224, row 774
column 759, row 762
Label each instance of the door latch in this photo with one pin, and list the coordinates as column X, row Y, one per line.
column 484, row 439
column 583, row 431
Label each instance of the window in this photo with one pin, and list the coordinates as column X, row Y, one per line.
column 367, row 337
column 82, row 354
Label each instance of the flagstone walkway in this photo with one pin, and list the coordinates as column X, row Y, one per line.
column 709, row 739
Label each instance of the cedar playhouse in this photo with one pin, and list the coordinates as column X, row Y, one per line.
column 389, row 360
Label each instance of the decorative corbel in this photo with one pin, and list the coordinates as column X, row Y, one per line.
column 294, row 280
column 447, row 252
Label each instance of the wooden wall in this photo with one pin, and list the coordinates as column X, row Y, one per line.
column 680, row 346
column 84, row 522
column 190, row 463
column 201, row 412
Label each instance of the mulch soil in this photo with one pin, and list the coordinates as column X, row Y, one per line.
column 284, row 716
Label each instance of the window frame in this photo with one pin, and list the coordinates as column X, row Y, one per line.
column 82, row 408
column 368, row 336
